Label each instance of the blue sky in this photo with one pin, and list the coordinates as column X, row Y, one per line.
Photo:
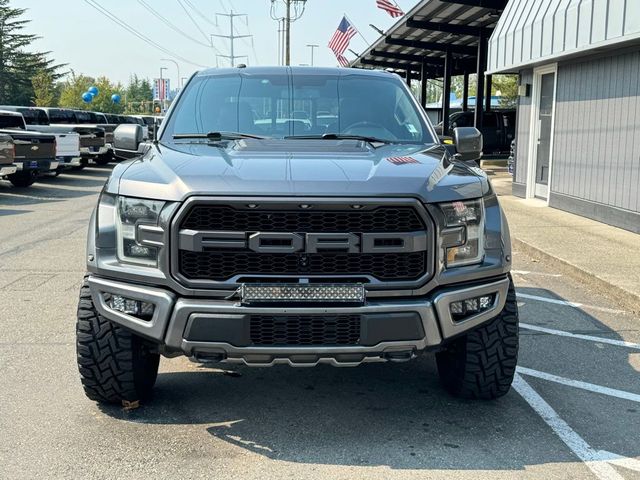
column 92, row 44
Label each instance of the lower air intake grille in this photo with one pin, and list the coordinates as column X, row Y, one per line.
column 221, row 266
column 305, row 329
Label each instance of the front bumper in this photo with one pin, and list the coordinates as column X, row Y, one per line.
column 173, row 320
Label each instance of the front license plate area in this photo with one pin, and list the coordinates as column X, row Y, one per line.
column 303, row 293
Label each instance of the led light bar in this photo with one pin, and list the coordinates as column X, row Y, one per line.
column 465, row 308
column 304, row 292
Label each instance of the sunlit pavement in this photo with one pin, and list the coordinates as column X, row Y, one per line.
column 574, row 411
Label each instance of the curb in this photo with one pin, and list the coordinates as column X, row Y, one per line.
column 628, row 300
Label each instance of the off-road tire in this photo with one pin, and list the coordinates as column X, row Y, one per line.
column 22, row 179
column 116, row 366
column 482, row 363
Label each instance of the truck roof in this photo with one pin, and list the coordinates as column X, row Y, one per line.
column 297, row 70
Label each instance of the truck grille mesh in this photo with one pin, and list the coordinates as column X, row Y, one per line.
column 305, row 329
column 223, row 265
column 381, row 219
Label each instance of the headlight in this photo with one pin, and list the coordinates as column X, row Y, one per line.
column 131, row 213
column 464, row 221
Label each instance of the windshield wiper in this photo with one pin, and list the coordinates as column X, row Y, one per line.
column 339, row 136
column 216, row 136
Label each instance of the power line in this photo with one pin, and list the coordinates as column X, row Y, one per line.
column 130, row 29
column 171, row 25
column 200, row 14
column 195, row 23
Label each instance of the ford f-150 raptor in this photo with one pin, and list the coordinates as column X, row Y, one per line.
column 245, row 234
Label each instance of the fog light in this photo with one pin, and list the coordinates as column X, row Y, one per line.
column 471, row 306
column 457, row 308
column 130, row 306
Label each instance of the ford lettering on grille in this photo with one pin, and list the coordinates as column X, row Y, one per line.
column 277, row 242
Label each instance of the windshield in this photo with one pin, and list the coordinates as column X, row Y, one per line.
column 286, row 105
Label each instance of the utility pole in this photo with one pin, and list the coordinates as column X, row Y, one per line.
column 312, row 46
column 232, row 37
column 293, row 11
column 288, row 34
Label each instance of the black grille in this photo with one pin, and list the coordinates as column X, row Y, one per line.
column 305, row 329
column 221, row 266
column 381, row 219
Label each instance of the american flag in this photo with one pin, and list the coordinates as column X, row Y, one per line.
column 340, row 40
column 402, row 160
column 390, row 7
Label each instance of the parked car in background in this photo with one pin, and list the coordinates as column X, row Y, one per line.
column 92, row 137
column 149, row 122
column 498, row 128
column 35, row 152
column 7, row 155
column 67, row 142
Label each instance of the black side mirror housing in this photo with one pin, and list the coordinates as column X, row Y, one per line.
column 127, row 139
column 468, row 141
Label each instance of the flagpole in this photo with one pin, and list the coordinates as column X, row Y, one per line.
column 357, row 30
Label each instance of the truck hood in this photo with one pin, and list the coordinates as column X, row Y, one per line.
column 297, row 168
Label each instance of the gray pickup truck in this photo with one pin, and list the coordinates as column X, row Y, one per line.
column 248, row 234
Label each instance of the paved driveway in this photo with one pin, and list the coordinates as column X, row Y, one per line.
column 574, row 411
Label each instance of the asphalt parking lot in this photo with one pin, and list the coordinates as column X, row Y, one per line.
column 574, row 411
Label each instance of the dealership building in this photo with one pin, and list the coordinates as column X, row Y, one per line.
column 578, row 119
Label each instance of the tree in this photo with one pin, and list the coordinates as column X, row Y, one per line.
column 17, row 66
column 44, row 90
column 507, row 87
column 76, row 85
column 139, row 94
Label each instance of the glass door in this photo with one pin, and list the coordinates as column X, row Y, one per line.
column 543, row 148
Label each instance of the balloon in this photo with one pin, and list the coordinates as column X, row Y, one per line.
column 115, row 98
column 93, row 90
column 87, row 97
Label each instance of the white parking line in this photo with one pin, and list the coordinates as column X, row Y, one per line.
column 591, row 387
column 566, row 303
column 541, row 274
column 591, row 338
column 592, row 458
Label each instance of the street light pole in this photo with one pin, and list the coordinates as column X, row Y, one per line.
column 160, row 86
column 177, row 67
column 312, row 47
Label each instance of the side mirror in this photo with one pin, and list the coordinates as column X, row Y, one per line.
column 468, row 142
column 127, row 139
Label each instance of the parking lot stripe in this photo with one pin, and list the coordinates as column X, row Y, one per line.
column 584, row 451
column 612, row 392
column 566, row 303
column 630, row 463
column 591, row 338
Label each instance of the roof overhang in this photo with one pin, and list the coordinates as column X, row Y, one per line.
column 562, row 29
column 430, row 30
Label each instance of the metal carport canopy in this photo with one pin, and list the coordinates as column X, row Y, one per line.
column 437, row 37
